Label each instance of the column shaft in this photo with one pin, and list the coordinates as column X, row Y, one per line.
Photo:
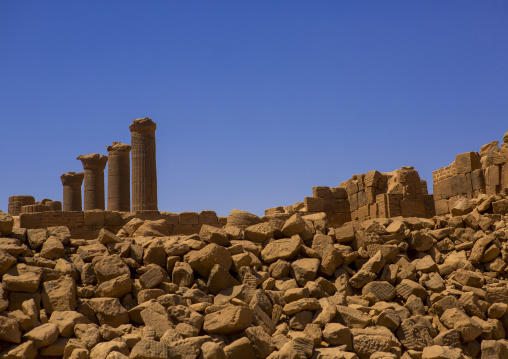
column 119, row 185
column 144, row 171
column 94, row 165
column 72, row 182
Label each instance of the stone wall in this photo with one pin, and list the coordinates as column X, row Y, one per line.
column 87, row 224
column 470, row 175
column 368, row 196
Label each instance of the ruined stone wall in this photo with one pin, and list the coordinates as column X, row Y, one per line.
column 368, row 196
column 470, row 175
column 87, row 224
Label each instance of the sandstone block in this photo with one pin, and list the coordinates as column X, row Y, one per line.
column 228, row 321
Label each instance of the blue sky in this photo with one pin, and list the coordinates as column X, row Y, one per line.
column 256, row 102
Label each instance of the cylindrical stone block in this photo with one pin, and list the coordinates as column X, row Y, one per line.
column 144, row 171
column 119, row 177
column 16, row 202
column 93, row 195
column 72, row 182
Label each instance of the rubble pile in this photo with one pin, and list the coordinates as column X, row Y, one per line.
column 280, row 286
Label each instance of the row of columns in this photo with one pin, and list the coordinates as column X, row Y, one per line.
column 144, row 175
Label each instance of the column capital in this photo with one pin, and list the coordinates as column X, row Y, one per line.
column 143, row 125
column 71, row 178
column 93, row 161
column 118, row 148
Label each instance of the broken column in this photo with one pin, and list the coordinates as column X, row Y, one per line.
column 119, row 185
column 144, row 172
column 94, row 165
column 72, row 182
column 16, row 202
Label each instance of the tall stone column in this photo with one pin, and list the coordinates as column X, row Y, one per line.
column 72, row 182
column 144, row 171
column 94, row 165
column 119, row 177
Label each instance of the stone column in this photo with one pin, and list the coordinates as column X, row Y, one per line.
column 144, row 172
column 94, row 165
column 16, row 202
column 72, row 182
column 119, row 177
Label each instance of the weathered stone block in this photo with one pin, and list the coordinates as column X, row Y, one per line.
column 467, row 162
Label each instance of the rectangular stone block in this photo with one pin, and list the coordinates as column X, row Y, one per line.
column 381, row 206
column 274, row 210
column 59, row 218
column 188, row 218
column 112, row 218
column 94, row 217
column 412, row 207
column 314, row 204
column 436, row 189
column 363, row 213
column 361, row 182
column 362, row 198
column 223, row 220
column 321, row 192
column 339, row 192
column 467, row 162
column 500, row 207
column 208, row 217
column 351, row 186
column 446, row 187
column 430, row 209
column 493, row 175
column 186, row 229
column 344, row 206
column 338, row 219
column 353, row 202
column 491, row 190
column 478, row 180
column 331, row 205
column 170, row 217
column 422, row 187
column 504, row 175
column 148, row 215
column 83, row 232
column 371, row 193
column 441, row 207
column 354, row 215
column 373, row 209
column 393, row 205
column 30, row 220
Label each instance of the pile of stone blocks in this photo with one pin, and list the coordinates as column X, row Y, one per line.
column 472, row 174
column 275, row 287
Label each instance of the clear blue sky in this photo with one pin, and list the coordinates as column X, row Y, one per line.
column 256, row 102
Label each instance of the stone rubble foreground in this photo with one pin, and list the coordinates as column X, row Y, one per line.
column 280, row 286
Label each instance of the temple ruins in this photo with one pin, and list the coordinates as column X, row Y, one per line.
column 374, row 268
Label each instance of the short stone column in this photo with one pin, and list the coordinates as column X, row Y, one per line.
column 144, row 171
column 72, row 182
column 16, row 202
column 94, row 165
column 119, row 177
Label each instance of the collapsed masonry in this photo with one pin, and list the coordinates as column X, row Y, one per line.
column 368, row 196
column 471, row 175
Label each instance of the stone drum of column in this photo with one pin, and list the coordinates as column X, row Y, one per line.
column 94, row 165
column 119, row 177
column 72, row 182
column 144, row 172
column 16, row 202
